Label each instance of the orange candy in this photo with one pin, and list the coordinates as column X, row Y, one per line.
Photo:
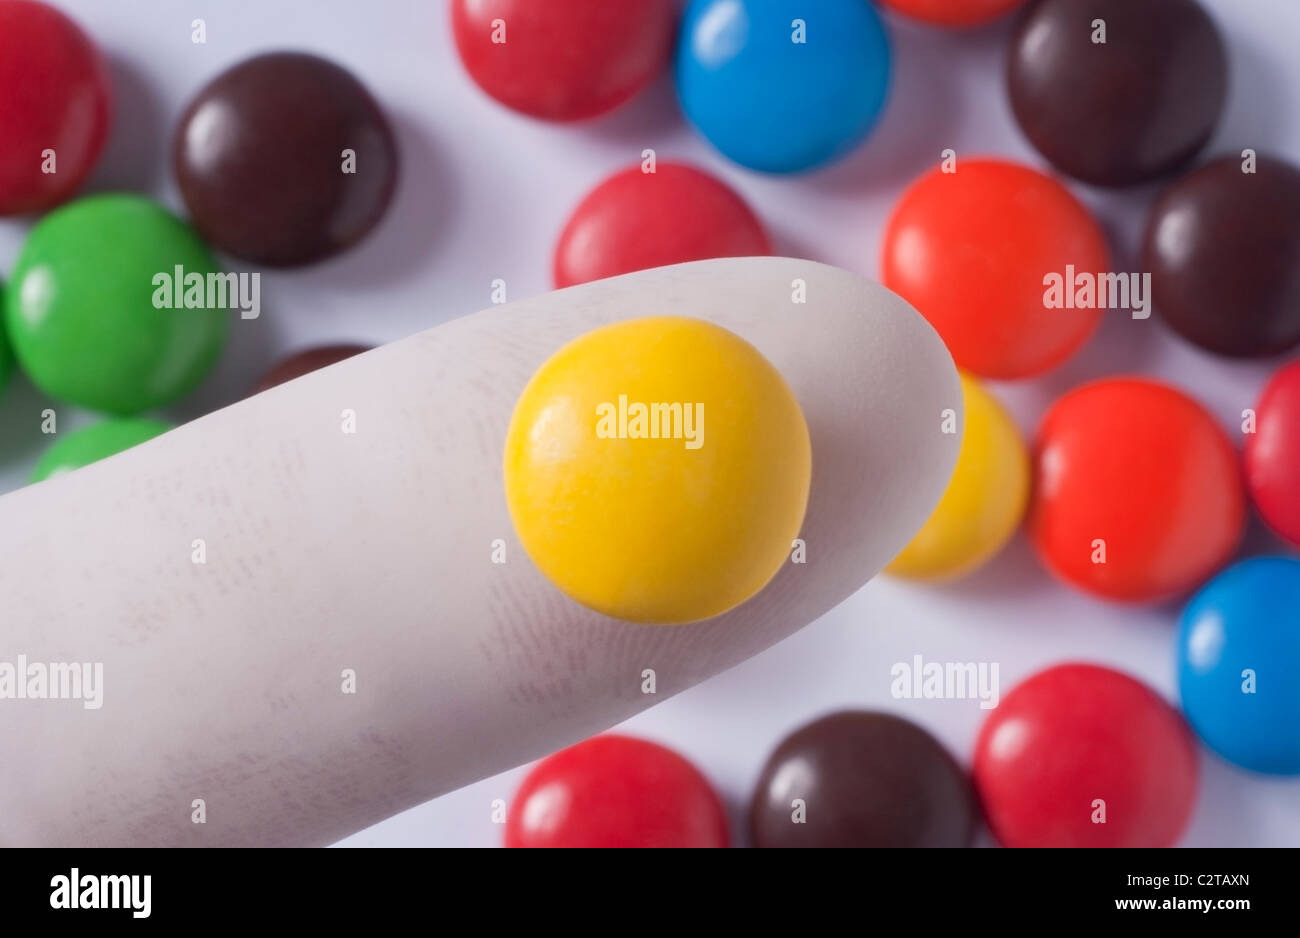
column 971, row 251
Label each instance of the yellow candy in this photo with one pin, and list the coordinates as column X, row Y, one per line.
column 984, row 501
column 657, row 470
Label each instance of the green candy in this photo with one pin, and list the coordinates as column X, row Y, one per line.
column 91, row 444
column 6, row 356
column 81, row 306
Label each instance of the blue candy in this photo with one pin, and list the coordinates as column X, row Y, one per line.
column 1241, row 633
column 775, row 104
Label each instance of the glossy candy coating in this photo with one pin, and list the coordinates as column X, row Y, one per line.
column 1130, row 109
column 55, row 95
column 564, row 60
column 305, row 362
column 1144, row 468
column 661, row 530
column 774, row 104
column 1239, row 664
column 616, row 791
column 953, row 13
column 259, row 158
column 970, row 251
column 865, row 780
column 1223, row 249
column 80, row 306
column 985, row 498
column 1273, row 454
column 1075, row 735
column 635, row 220
column 90, row 444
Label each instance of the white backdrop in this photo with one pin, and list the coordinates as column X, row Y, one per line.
column 483, row 195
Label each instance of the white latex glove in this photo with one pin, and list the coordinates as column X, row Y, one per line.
column 372, row 551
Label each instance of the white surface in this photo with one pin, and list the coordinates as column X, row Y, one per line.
column 483, row 194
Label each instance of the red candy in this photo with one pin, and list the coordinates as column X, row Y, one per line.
column 956, row 13
column 634, row 221
column 1136, row 474
column 1076, row 744
column 616, row 791
column 1273, row 454
column 971, row 249
column 564, row 60
column 54, row 96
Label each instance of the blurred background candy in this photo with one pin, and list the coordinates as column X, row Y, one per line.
column 957, row 14
column 635, row 220
column 81, row 306
column 1239, row 664
column 563, row 60
column 6, row 356
column 285, row 159
column 616, row 791
column 985, row 499
column 782, row 86
column 1116, row 92
column 857, row 779
column 1084, row 756
column 1273, row 454
column 969, row 247
column 77, row 448
column 305, row 362
column 1222, row 245
column 55, row 106
column 1137, row 491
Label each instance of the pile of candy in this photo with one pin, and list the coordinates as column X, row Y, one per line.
column 115, row 304
column 1130, row 491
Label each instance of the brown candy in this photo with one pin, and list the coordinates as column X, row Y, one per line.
column 1223, row 250
column 862, row 780
column 306, row 361
column 263, row 153
column 1125, row 110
